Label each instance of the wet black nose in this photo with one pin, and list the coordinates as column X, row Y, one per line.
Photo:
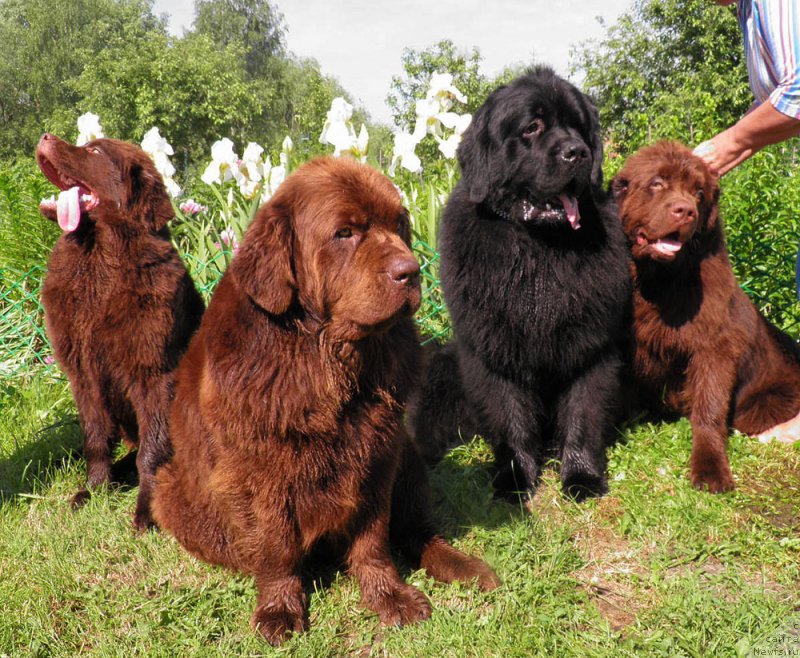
column 574, row 152
column 404, row 270
column 683, row 212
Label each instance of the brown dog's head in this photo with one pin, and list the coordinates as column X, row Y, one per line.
column 667, row 198
column 103, row 180
column 335, row 238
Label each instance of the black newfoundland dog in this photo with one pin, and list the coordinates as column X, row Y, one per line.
column 535, row 274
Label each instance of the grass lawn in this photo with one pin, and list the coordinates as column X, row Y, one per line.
column 652, row 569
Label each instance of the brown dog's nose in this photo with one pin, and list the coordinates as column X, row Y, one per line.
column 683, row 212
column 404, row 270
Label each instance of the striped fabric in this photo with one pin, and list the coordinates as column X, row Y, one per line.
column 772, row 48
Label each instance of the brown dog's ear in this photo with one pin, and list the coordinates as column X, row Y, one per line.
column 263, row 266
column 148, row 198
column 405, row 227
column 712, row 207
column 619, row 187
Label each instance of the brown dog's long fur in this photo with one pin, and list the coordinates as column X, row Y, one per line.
column 700, row 344
column 119, row 305
column 287, row 419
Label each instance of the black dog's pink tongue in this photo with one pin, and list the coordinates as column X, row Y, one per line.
column 570, row 204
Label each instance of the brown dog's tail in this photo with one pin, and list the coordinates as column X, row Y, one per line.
column 439, row 417
column 413, row 532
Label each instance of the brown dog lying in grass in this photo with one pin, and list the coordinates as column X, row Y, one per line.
column 701, row 347
column 287, row 419
column 119, row 305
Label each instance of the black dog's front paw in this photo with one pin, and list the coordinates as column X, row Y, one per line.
column 580, row 485
column 510, row 484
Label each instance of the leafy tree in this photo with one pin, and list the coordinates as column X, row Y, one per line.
column 666, row 69
column 191, row 89
column 420, row 65
column 44, row 46
column 310, row 96
column 255, row 25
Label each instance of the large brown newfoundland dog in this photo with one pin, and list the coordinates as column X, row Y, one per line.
column 701, row 347
column 287, row 419
column 119, row 305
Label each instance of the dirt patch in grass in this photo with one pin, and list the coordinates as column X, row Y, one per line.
column 773, row 494
column 613, row 573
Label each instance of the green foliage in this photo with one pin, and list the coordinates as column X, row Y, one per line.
column 311, row 95
column 442, row 57
column 667, row 69
column 26, row 237
column 255, row 25
column 760, row 206
column 192, row 89
column 44, row 46
column 229, row 76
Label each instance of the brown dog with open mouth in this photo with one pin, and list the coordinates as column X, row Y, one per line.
column 120, row 306
column 700, row 346
column 287, row 422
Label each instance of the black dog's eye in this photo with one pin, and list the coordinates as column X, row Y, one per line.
column 534, row 129
column 344, row 233
column 657, row 183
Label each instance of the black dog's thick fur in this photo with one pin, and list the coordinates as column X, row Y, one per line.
column 537, row 305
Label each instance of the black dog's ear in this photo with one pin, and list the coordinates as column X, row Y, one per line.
column 147, row 197
column 596, row 145
column 474, row 153
column 263, row 266
column 619, row 187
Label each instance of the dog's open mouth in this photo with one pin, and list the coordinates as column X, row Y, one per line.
column 668, row 245
column 557, row 208
column 73, row 200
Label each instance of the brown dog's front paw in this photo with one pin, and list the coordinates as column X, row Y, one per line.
column 277, row 622
column 401, row 606
column 143, row 521
column 80, row 498
column 713, row 476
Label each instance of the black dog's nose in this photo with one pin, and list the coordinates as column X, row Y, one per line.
column 404, row 270
column 575, row 151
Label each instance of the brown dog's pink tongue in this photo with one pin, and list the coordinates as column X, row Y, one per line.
column 570, row 204
column 68, row 209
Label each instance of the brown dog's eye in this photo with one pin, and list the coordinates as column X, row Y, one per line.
column 534, row 129
column 657, row 183
column 701, row 195
column 93, row 149
column 344, row 233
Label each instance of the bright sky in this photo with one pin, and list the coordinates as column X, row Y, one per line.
column 360, row 42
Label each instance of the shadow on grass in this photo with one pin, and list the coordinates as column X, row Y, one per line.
column 33, row 465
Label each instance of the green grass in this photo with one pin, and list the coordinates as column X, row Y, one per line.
column 655, row 568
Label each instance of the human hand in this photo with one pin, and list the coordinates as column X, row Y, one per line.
column 723, row 152
column 762, row 125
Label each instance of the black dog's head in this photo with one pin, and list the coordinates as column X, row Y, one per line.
column 532, row 149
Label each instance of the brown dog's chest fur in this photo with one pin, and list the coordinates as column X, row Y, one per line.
column 675, row 317
column 108, row 301
column 315, row 429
